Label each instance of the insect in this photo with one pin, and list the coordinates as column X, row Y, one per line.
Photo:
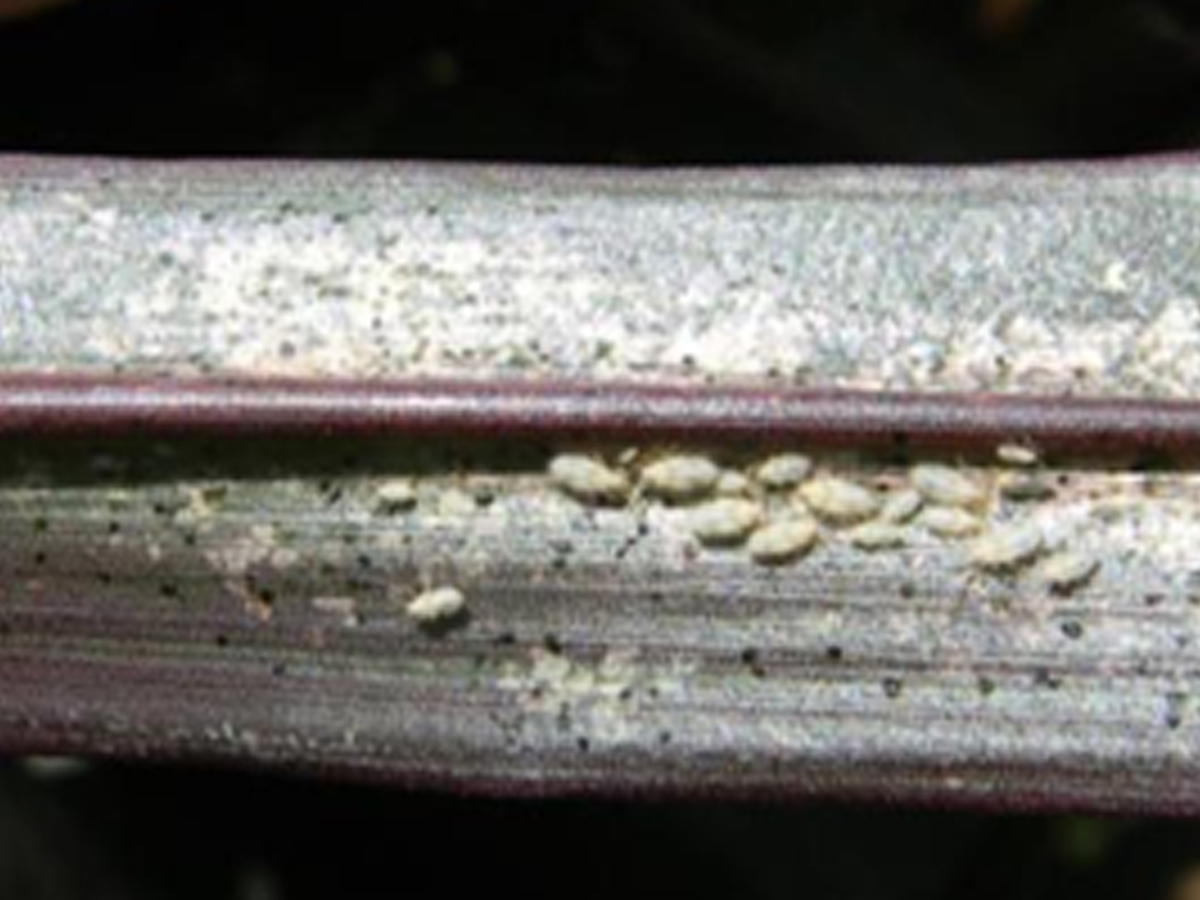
column 781, row 541
column 1068, row 569
column 949, row 522
column 840, row 501
column 436, row 604
column 1017, row 455
column 589, row 479
column 876, row 536
column 783, row 471
column 725, row 521
column 901, row 506
column 1006, row 546
column 944, row 486
column 684, row 477
column 396, row 496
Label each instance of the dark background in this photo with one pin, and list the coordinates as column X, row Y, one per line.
column 630, row 82
column 606, row 81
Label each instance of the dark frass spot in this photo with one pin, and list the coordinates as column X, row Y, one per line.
column 892, row 687
column 986, row 686
column 1047, row 679
column 1072, row 629
column 752, row 660
column 834, row 653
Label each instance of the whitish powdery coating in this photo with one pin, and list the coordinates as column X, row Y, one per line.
column 783, row 471
column 781, row 541
column 840, row 501
column 1068, row 569
column 588, row 479
column 1007, row 546
column 725, row 521
column 436, row 604
column 680, row 477
column 945, row 486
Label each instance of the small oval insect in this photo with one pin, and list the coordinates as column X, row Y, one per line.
column 588, row 479
column 840, row 501
column 1007, row 546
column 944, row 486
column 680, row 477
column 398, row 495
column 901, row 506
column 783, row 471
column 949, row 522
column 732, row 484
column 437, row 604
column 782, row 541
column 1068, row 569
column 876, row 536
column 725, row 521
column 1017, row 455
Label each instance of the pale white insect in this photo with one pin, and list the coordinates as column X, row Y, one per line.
column 732, row 484
column 588, row 479
column 840, row 501
column 1007, row 546
column 783, row 471
column 1068, row 569
column 781, row 541
column 949, row 522
column 395, row 496
column 680, row 477
column 944, row 486
column 901, row 506
column 436, row 605
column 876, row 536
column 1017, row 455
column 725, row 521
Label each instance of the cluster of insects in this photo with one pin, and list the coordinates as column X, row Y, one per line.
column 779, row 508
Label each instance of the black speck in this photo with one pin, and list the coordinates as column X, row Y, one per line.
column 834, row 653
column 987, row 687
column 505, row 639
column 583, row 744
column 892, row 687
column 552, row 644
column 1153, row 600
column 1045, row 678
column 752, row 660
column 39, row 558
column 167, row 589
column 1072, row 629
column 222, row 641
column 908, row 590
